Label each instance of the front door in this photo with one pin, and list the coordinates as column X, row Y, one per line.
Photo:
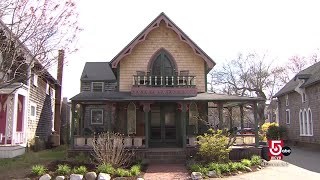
column 163, row 125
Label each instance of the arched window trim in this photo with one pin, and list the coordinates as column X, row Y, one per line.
column 196, row 113
column 305, row 120
column 310, row 122
column 156, row 54
column 131, row 120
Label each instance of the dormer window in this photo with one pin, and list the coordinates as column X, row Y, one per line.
column 97, row 86
column 287, row 100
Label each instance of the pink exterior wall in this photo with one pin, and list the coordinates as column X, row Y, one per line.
column 3, row 117
column 20, row 110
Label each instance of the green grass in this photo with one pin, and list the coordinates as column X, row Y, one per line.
column 32, row 158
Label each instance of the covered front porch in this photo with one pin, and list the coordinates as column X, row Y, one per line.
column 13, row 120
column 154, row 122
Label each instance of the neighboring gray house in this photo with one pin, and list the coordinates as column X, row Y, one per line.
column 299, row 106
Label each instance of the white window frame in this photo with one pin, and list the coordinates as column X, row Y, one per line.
column 35, row 79
column 305, row 119
column 47, row 88
column 101, row 110
column 288, row 118
column 310, row 122
column 33, row 117
column 301, row 122
column 97, row 83
column 287, row 100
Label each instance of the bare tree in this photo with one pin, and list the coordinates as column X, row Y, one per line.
column 31, row 33
column 249, row 75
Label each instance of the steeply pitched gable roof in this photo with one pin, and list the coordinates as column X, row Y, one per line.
column 155, row 24
column 310, row 74
column 97, row 71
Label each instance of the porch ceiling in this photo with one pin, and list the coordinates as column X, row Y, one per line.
column 126, row 96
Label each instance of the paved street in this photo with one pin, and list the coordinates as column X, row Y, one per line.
column 303, row 164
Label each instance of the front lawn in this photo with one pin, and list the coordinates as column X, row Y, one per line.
column 19, row 167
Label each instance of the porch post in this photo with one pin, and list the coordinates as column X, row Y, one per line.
column 256, row 122
column 183, row 123
column 14, row 118
column 220, row 112
column 109, row 115
column 230, row 117
column 73, row 108
column 241, row 117
column 83, row 110
column 146, row 110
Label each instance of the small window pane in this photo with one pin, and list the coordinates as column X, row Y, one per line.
column 33, row 111
column 97, row 116
column 97, row 86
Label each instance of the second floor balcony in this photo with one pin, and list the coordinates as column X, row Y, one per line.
column 178, row 85
column 164, row 81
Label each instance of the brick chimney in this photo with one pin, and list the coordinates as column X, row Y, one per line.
column 57, row 111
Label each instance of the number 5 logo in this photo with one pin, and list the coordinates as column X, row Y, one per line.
column 275, row 147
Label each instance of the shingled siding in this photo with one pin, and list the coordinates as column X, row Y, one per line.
column 43, row 124
column 161, row 37
column 295, row 104
column 108, row 86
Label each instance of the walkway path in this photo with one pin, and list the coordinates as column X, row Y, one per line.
column 166, row 172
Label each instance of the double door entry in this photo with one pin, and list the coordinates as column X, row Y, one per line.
column 163, row 125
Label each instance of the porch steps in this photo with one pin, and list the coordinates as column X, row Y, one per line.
column 165, row 155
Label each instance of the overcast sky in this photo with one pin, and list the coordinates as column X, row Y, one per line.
column 221, row 28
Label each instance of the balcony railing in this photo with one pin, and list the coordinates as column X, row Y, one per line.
column 164, row 81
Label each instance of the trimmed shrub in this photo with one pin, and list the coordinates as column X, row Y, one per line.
column 122, row 172
column 214, row 146
column 135, row 170
column 246, row 162
column 255, row 160
column 38, row 170
column 106, row 168
column 63, row 169
column 80, row 170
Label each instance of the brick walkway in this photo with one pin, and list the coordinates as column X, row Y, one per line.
column 167, row 172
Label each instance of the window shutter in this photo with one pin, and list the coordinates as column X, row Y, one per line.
column 131, row 118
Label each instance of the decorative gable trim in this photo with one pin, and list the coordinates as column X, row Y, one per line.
column 155, row 24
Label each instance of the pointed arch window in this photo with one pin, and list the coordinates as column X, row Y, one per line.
column 305, row 122
column 193, row 116
column 131, row 119
column 301, row 121
column 310, row 122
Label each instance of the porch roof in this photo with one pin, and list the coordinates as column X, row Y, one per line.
column 126, row 96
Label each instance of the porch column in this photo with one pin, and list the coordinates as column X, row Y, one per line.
column 220, row 112
column 241, row 117
column 183, row 123
column 109, row 115
column 83, row 110
column 146, row 110
column 14, row 118
column 73, row 108
column 256, row 122
column 230, row 117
